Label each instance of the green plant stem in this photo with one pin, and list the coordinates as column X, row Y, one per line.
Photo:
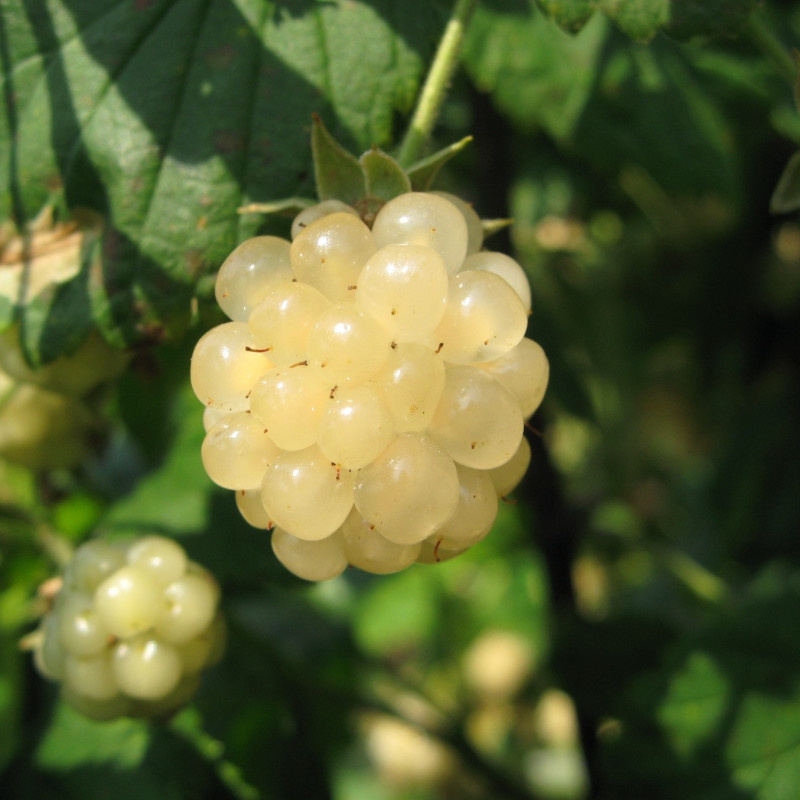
column 436, row 83
column 763, row 37
column 58, row 549
column 188, row 726
column 702, row 583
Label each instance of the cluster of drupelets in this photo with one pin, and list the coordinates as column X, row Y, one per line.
column 366, row 401
column 131, row 627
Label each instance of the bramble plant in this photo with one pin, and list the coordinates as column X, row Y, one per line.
column 352, row 230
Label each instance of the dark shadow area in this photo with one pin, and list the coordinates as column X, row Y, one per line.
column 705, row 294
column 283, row 698
column 754, row 649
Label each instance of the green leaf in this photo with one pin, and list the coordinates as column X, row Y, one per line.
column 571, row 15
column 56, row 321
column 696, row 700
column 397, row 613
column 764, row 746
column 166, row 117
column 337, row 172
column 73, row 739
column 719, row 718
column 384, row 177
column 424, row 172
column 643, row 19
column 181, row 478
column 537, row 73
column 649, row 116
column 711, row 17
column 786, row 197
column 640, row 19
column 125, row 759
column 661, row 127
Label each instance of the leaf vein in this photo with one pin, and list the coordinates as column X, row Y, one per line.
column 202, row 19
column 112, row 79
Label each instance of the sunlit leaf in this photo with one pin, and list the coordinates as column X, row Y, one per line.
column 167, row 116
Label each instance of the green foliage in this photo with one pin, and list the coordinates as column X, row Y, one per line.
column 647, row 570
column 167, row 154
column 786, row 197
column 337, row 173
column 722, row 710
column 572, row 15
column 643, row 19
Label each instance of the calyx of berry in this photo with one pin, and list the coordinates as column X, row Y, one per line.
column 366, row 182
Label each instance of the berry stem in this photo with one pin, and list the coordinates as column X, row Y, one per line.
column 436, row 83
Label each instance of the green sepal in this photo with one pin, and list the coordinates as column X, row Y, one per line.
column 383, row 176
column 492, row 226
column 423, row 173
column 365, row 183
column 786, row 196
column 288, row 207
column 337, row 172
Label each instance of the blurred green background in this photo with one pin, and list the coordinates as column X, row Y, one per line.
column 627, row 630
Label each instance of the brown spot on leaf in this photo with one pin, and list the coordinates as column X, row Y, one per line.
column 227, row 142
